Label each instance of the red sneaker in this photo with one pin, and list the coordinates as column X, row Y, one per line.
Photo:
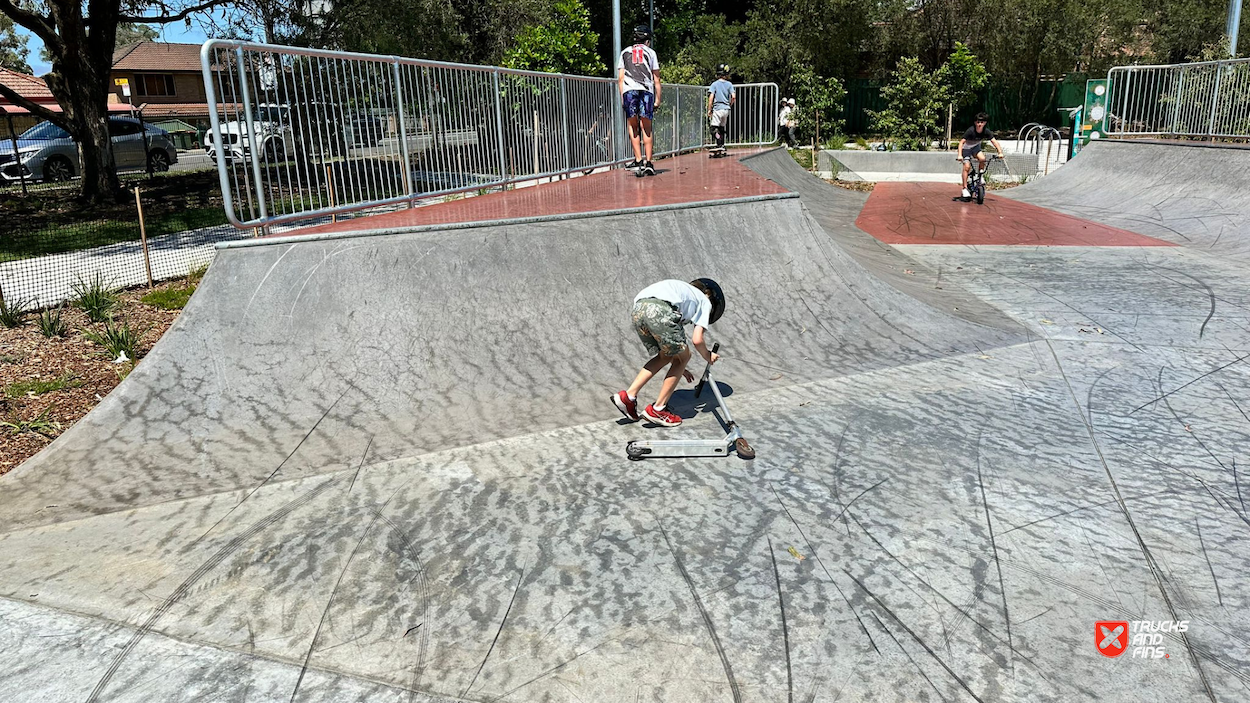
column 628, row 408
column 661, row 417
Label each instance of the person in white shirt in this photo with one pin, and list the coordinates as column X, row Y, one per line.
column 660, row 313
column 638, row 79
column 785, row 122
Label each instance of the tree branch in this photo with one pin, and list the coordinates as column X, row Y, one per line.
column 35, row 108
column 166, row 19
column 35, row 22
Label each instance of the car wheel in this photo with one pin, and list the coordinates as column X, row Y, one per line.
column 58, row 168
column 159, row 161
column 274, row 152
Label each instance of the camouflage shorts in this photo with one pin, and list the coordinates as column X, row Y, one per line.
column 659, row 327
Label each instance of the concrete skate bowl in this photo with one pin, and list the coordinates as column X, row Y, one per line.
column 385, row 468
column 1194, row 195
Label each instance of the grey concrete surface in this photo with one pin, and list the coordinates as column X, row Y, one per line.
column 1195, row 196
column 385, row 469
column 855, row 165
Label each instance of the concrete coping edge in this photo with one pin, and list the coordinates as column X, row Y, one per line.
column 354, row 234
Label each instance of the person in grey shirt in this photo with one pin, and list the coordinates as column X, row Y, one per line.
column 721, row 96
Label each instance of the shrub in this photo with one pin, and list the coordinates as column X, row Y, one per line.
column 39, row 424
column 95, row 298
column 116, row 339
column 51, row 324
column 915, row 99
column 12, row 311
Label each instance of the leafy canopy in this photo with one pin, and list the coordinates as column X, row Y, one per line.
column 565, row 44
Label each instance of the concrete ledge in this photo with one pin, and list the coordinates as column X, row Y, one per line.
column 849, row 165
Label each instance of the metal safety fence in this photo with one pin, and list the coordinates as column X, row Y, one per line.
column 1209, row 100
column 304, row 133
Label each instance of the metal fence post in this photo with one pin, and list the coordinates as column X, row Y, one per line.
column 250, row 119
column 1215, row 98
column 403, row 133
column 564, row 117
column 21, row 173
column 143, row 133
column 1176, row 100
column 503, row 171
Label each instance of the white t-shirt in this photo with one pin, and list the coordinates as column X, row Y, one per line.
column 638, row 61
column 783, row 119
column 691, row 302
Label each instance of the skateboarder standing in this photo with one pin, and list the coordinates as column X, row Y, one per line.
column 721, row 96
column 638, row 79
column 660, row 313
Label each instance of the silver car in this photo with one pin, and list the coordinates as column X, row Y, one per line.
column 46, row 152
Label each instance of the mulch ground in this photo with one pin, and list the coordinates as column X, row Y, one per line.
column 27, row 355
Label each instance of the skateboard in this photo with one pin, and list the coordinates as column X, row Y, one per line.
column 642, row 171
column 717, row 152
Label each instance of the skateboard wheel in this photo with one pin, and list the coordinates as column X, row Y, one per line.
column 633, row 451
column 745, row 451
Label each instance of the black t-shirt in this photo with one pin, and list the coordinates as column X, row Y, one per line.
column 972, row 138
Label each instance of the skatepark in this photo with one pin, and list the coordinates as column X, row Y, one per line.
column 376, row 460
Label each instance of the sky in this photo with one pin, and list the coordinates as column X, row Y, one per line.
column 176, row 32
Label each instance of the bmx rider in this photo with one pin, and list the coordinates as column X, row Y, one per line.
column 970, row 146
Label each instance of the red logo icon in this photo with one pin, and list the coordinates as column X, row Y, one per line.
column 1111, row 637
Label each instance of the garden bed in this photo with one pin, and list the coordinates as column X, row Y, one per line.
column 49, row 383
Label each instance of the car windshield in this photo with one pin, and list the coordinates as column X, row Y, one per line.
column 45, row 131
column 270, row 113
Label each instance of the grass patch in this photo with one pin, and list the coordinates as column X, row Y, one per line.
column 195, row 274
column 11, row 358
column 56, row 221
column 52, row 324
column 37, row 386
column 169, row 298
column 39, row 424
column 95, row 298
column 12, row 311
column 117, row 339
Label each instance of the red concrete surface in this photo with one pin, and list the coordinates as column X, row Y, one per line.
column 925, row 213
column 683, row 179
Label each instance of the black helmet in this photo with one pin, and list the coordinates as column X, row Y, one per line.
column 642, row 33
column 714, row 294
column 722, row 69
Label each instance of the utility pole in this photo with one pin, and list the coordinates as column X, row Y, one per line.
column 616, row 35
column 1234, row 23
column 651, row 12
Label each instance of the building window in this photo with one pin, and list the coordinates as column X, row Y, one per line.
column 154, row 84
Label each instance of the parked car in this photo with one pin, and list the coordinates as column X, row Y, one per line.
column 46, row 152
column 272, row 130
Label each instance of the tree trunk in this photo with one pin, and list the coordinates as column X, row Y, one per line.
column 80, row 83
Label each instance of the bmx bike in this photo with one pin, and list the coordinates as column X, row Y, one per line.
column 976, row 177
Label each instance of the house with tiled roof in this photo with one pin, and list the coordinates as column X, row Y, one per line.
column 30, row 87
column 163, row 77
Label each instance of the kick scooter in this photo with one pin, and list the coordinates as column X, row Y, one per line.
column 645, row 449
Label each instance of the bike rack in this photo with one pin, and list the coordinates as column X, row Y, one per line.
column 647, row 449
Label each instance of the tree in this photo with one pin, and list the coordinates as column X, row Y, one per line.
column 80, row 37
column 129, row 33
column 564, row 44
column 818, row 102
column 13, row 51
column 915, row 99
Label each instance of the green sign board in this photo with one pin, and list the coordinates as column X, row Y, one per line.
column 1091, row 120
